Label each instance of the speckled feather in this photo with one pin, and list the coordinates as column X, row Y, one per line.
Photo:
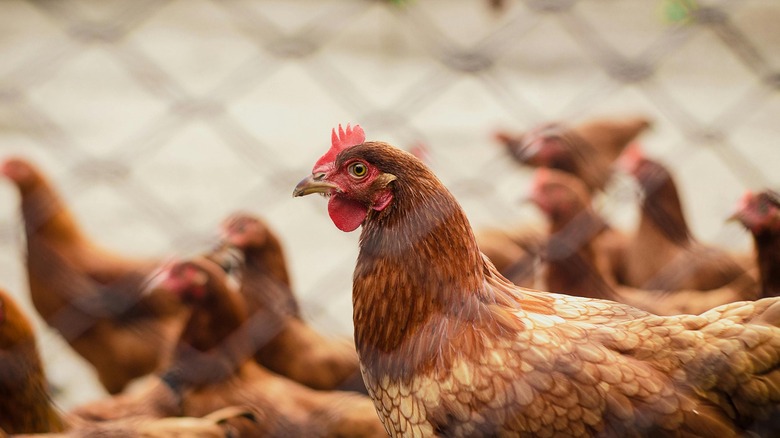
column 448, row 347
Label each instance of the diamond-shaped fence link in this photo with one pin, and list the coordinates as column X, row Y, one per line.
column 156, row 119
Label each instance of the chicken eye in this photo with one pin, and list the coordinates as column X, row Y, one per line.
column 358, row 170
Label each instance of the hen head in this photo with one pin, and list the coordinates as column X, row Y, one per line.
column 188, row 280
column 759, row 212
column 543, row 146
column 21, row 172
column 354, row 185
column 650, row 174
column 559, row 195
column 243, row 230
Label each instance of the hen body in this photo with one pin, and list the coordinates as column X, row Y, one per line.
column 448, row 347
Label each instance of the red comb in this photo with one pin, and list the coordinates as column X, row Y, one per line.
column 344, row 139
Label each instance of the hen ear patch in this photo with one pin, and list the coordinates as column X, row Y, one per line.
column 343, row 139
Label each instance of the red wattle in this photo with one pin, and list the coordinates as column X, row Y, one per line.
column 345, row 213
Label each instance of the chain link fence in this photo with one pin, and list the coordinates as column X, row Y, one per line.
column 156, row 119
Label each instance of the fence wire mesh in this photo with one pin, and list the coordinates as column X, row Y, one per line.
column 156, row 119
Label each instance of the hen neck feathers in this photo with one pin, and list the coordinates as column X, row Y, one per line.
column 662, row 211
column 571, row 258
column 267, row 283
column 767, row 246
column 45, row 214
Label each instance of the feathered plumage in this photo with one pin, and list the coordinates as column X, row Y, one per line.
column 89, row 294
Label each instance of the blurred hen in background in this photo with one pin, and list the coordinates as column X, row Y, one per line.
column 285, row 343
column 580, row 247
column 92, row 296
column 760, row 214
column 585, row 150
column 213, row 367
column 583, row 253
column 663, row 253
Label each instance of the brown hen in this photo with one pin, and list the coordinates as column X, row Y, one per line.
column 26, row 408
column 760, row 214
column 288, row 346
column 583, row 251
column 664, row 254
column 213, row 367
column 586, row 149
column 90, row 295
column 448, row 347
